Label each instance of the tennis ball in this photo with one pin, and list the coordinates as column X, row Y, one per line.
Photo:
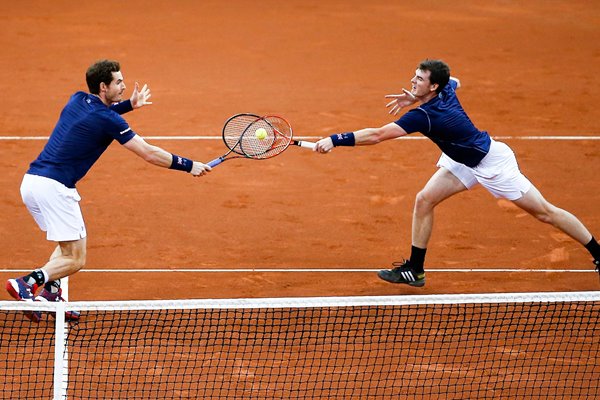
column 261, row 133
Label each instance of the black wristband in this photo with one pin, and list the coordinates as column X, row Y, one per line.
column 343, row 139
column 122, row 107
column 181, row 163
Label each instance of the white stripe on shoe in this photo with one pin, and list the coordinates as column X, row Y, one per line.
column 408, row 276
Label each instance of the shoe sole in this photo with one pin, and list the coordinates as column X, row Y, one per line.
column 33, row 316
column 419, row 283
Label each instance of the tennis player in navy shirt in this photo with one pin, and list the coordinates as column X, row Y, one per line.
column 88, row 124
column 469, row 157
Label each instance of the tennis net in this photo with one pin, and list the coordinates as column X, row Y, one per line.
column 500, row 346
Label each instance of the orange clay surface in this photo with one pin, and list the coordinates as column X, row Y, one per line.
column 326, row 66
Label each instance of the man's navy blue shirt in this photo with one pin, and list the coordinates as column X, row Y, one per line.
column 443, row 120
column 85, row 129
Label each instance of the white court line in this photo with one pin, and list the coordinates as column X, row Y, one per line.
column 314, row 138
column 303, row 270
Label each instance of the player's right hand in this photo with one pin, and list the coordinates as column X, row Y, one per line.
column 324, row 145
column 200, row 169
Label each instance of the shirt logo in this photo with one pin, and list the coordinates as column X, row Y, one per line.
column 125, row 131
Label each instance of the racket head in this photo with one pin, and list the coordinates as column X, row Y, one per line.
column 239, row 135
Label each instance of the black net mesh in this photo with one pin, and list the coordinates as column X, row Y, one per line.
column 455, row 351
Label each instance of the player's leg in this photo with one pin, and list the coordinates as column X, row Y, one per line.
column 442, row 185
column 535, row 204
column 56, row 210
column 499, row 173
column 67, row 258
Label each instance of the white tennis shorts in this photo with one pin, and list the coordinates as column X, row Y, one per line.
column 498, row 172
column 54, row 207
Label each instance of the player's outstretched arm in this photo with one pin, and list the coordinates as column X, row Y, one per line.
column 367, row 136
column 162, row 158
column 140, row 98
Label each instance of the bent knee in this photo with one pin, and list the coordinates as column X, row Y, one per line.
column 543, row 217
column 78, row 261
column 548, row 214
column 424, row 201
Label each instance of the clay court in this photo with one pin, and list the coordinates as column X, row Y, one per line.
column 305, row 224
column 527, row 74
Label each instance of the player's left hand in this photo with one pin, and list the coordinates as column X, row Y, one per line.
column 324, row 145
column 139, row 97
column 400, row 101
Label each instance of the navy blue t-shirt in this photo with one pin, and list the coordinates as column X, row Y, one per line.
column 85, row 129
column 443, row 120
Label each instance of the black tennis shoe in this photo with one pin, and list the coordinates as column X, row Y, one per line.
column 403, row 273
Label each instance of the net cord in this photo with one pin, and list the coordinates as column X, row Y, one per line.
column 307, row 302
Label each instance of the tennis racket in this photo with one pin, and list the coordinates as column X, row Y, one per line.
column 301, row 143
column 240, row 135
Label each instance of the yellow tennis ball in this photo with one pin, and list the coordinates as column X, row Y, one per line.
column 261, row 133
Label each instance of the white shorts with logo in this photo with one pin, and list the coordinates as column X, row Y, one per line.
column 54, row 207
column 498, row 172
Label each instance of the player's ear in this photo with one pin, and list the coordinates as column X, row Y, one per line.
column 433, row 87
column 102, row 87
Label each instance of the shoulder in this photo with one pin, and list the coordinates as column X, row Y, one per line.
column 447, row 94
column 456, row 82
column 415, row 120
column 451, row 87
column 104, row 116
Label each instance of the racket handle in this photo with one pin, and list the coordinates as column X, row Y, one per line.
column 308, row 145
column 215, row 162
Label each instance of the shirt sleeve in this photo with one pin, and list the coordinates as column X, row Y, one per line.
column 122, row 107
column 415, row 120
column 119, row 129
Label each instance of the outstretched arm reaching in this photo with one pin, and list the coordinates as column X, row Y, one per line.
column 361, row 137
column 157, row 156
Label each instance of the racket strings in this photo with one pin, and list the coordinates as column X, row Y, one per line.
column 282, row 135
column 256, row 147
column 240, row 136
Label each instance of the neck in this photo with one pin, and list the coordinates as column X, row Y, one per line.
column 102, row 99
column 427, row 97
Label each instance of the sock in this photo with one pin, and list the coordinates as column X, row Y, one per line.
column 53, row 286
column 417, row 258
column 38, row 277
column 594, row 248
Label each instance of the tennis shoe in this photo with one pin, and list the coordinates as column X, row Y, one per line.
column 46, row 295
column 403, row 273
column 22, row 291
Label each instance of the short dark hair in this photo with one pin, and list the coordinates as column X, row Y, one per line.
column 100, row 71
column 439, row 72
